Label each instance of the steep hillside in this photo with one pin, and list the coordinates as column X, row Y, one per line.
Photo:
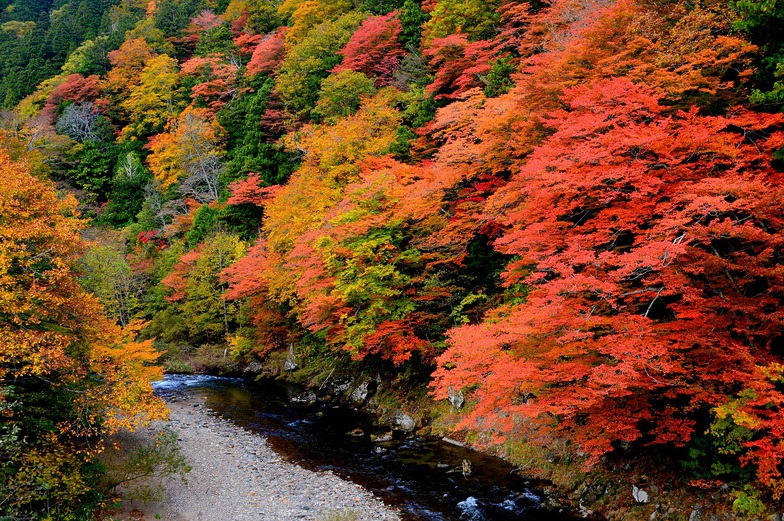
column 568, row 214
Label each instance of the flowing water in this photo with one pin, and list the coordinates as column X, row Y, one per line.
column 423, row 477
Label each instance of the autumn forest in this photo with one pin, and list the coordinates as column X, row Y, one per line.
column 553, row 229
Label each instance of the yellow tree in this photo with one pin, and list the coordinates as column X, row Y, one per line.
column 309, row 14
column 191, row 154
column 68, row 375
column 155, row 100
column 197, row 287
column 165, row 158
column 332, row 160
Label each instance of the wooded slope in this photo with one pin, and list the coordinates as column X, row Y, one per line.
column 569, row 211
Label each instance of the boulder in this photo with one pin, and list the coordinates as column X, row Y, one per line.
column 404, row 422
column 381, row 438
column 451, row 441
column 253, row 368
column 337, row 385
column 466, row 468
column 360, row 393
column 364, row 390
column 590, row 494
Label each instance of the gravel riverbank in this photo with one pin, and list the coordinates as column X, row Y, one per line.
column 236, row 476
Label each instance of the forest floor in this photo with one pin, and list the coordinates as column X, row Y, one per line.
column 237, row 476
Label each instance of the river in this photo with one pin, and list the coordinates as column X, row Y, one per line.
column 425, row 478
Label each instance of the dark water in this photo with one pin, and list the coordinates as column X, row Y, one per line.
column 422, row 477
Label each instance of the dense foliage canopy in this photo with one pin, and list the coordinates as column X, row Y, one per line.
column 570, row 212
column 68, row 374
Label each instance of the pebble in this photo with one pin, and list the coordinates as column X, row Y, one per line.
column 237, row 476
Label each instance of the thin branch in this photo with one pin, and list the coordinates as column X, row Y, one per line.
column 652, row 301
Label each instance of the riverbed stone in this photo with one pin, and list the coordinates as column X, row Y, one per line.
column 591, row 493
column 237, row 476
column 452, row 441
column 456, row 398
column 338, row 384
column 640, row 496
column 303, row 398
column 291, row 362
column 404, row 422
column 360, row 393
column 253, row 368
column 381, row 438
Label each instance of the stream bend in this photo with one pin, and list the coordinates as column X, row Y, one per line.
column 422, row 477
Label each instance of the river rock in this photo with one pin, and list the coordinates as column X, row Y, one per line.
column 456, row 398
column 360, row 393
column 585, row 511
column 381, row 438
column 454, row 442
column 337, row 385
column 640, row 495
column 404, row 422
column 291, row 363
column 592, row 493
column 366, row 388
column 302, row 398
column 253, row 368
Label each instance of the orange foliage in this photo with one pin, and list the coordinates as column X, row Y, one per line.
column 176, row 281
column 458, row 64
column 36, row 282
column 247, row 43
column 249, row 191
column 629, row 201
column 193, row 145
column 127, row 62
column 165, row 159
column 52, row 329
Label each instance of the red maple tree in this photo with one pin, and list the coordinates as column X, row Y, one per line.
column 269, row 53
column 374, row 49
column 650, row 241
